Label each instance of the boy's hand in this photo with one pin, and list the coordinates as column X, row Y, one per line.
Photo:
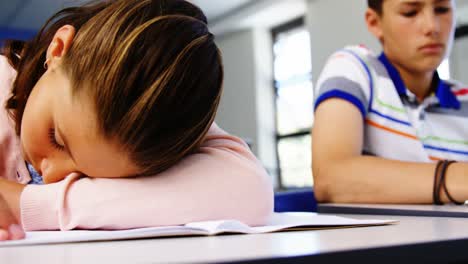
column 10, row 226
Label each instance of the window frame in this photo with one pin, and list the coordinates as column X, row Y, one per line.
column 461, row 31
column 275, row 32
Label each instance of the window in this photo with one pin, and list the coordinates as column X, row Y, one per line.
column 292, row 65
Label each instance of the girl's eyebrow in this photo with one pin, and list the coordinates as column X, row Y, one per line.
column 65, row 141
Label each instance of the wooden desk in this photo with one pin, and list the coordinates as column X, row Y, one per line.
column 414, row 239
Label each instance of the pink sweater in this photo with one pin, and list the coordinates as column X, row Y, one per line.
column 223, row 180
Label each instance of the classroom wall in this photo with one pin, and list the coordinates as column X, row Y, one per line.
column 459, row 55
column 236, row 113
column 247, row 108
column 459, row 61
column 333, row 25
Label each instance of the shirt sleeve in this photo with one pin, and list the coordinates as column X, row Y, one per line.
column 12, row 166
column 223, row 180
column 347, row 77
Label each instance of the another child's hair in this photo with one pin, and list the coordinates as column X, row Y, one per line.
column 151, row 68
column 375, row 5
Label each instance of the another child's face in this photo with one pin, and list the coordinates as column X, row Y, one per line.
column 59, row 135
column 417, row 34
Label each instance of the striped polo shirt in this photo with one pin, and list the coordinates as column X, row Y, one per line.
column 396, row 125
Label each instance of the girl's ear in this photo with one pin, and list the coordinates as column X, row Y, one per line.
column 60, row 45
column 373, row 21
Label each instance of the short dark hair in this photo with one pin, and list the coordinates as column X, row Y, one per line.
column 375, row 5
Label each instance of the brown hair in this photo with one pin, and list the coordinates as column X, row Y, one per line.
column 375, row 5
column 151, row 68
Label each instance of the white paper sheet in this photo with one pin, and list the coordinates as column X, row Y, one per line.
column 278, row 222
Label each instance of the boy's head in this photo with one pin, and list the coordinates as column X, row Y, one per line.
column 415, row 35
column 144, row 77
column 375, row 5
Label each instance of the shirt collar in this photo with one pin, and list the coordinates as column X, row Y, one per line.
column 443, row 92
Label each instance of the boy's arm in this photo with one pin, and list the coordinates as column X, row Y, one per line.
column 343, row 175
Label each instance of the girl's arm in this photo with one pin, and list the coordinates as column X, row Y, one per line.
column 343, row 175
column 10, row 227
column 222, row 181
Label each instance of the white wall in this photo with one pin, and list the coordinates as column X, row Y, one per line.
column 335, row 24
column 247, row 108
column 237, row 110
column 462, row 11
column 459, row 61
column 459, row 55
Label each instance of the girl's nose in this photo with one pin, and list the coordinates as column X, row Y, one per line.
column 55, row 170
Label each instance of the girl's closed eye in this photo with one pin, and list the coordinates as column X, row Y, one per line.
column 53, row 140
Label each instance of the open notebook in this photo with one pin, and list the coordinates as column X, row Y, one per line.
column 278, row 222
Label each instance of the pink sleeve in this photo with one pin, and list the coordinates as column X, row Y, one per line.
column 12, row 166
column 222, row 181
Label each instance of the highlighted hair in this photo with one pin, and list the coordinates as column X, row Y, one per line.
column 150, row 67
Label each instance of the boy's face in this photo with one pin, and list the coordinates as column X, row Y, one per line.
column 59, row 134
column 416, row 34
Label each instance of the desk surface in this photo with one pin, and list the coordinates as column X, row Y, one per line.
column 448, row 210
column 436, row 239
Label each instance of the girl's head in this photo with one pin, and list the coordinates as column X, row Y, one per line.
column 415, row 34
column 115, row 88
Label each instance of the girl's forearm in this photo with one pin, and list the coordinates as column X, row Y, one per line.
column 11, row 193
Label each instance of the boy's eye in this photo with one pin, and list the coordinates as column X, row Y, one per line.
column 411, row 13
column 442, row 10
column 53, row 140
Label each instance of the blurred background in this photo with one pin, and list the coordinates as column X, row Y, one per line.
column 273, row 51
